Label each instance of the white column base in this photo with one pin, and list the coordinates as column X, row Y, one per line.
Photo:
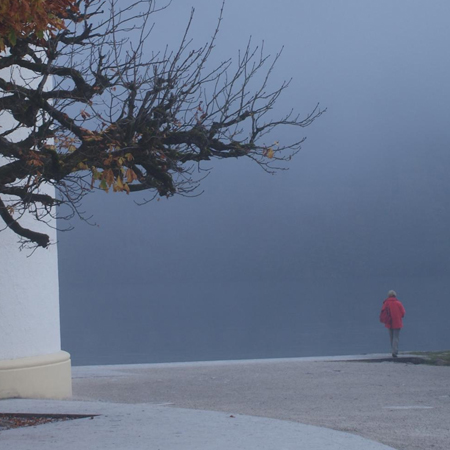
column 45, row 376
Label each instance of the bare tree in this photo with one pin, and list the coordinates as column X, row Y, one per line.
column 102, row 112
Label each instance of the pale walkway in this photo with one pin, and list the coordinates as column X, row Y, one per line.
column 266, row 404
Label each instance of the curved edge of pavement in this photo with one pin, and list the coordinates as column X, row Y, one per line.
column 144, row 426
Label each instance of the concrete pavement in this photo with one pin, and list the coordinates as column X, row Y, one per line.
column 302, row 404
column 144, row 426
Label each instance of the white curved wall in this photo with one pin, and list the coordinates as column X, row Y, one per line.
column 29, row 295
column 31, row 361
column 29, row 299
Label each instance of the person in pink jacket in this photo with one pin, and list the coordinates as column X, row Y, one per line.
column 391, row 315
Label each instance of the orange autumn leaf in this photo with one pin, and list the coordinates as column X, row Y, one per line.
column 23, row 18
column 108, row 176
column 131, row 176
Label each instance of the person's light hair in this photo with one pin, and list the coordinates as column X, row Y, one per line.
column 392, row 294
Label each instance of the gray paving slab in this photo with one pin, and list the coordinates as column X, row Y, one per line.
column 144, row 426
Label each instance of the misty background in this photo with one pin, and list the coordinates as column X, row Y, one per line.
column 298, row 263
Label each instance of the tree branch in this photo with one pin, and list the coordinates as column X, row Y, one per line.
column 42, row 240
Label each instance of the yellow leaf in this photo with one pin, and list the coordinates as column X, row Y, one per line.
column 270, row 153
column 131, row 175
column 83, row 166
column 96, row 175
column 119, row 183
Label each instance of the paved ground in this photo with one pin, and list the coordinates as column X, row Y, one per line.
column 171, row 406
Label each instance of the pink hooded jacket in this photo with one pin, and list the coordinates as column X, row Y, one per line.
column 397, row 312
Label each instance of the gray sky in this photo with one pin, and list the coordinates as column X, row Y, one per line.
column 366, row 198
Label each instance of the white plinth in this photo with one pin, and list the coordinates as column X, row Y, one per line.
column 45, row 376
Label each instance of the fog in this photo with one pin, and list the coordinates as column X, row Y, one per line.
column 298, row 263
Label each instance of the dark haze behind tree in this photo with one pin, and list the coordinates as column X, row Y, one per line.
column 101, row 115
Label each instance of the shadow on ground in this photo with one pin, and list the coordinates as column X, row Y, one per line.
column 409, row 360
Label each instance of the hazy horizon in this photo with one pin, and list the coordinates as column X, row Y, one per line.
column 295, row 264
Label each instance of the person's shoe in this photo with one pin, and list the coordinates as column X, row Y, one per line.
column 394, row 355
